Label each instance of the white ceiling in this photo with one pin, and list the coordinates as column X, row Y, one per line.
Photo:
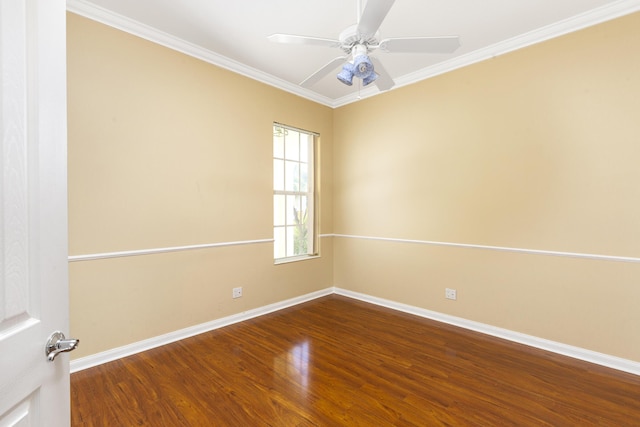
column 233, row 34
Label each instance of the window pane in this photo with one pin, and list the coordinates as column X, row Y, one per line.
column 279, row 210
column 300, row 240
column 300, row 231
column 278, row 175
column 278, row 146
column 300, row 237
column 304, row 147
column 304, row 177
column 293, row 206
column 292, row 145
column 290, row 247
column 303, row 207
column 279, row 242
column 292, row 176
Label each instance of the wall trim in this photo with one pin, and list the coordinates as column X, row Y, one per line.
column 590, row 356
column 578, row 22
column 153, row 251
column 496, row 248
column 140, row 346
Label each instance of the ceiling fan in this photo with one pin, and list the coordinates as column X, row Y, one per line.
column 358, row 40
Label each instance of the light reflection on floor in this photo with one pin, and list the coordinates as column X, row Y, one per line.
column 293, row 365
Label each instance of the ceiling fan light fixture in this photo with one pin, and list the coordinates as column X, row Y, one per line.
column 361, row 39
column 346, row 75
column 362, row 66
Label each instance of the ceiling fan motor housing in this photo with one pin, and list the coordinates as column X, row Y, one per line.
column 350, row 38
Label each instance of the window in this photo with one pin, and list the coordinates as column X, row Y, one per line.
column 294, row 230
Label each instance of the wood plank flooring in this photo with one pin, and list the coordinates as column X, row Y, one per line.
column 336, row 361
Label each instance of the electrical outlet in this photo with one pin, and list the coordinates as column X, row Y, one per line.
column 450, row 294
column 237, row 292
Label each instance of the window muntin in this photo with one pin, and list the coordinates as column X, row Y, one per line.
column 294, row 230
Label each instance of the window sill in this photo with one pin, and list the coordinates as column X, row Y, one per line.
column 294, row 259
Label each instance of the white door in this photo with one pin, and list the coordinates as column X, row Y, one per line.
column 33, row 212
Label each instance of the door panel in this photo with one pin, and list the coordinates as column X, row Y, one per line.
column 33, row 213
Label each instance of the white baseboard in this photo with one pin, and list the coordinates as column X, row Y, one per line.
column 618, row 363
column 614, row 362
column 140, row 346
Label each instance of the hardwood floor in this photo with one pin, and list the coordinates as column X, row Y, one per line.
column 336, row 361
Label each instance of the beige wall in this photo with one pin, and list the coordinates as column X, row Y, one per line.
column 536, row 149
column 164, row 151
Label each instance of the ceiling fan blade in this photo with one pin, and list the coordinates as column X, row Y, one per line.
column 384, row 80
column 292, row 39
column 374, row 13
column 326, row 69
column 446, row 44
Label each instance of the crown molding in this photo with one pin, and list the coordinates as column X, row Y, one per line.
column 578, row 22
column 122, row 23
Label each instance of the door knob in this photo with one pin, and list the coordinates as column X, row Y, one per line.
column 57, row 343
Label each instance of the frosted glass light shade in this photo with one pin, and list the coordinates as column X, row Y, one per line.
column 370, row 78
column 362, row 66
column 346, row 75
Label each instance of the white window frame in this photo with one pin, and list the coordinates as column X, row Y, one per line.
column 283, row 226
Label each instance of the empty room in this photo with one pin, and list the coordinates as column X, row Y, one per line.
column 448, row 233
